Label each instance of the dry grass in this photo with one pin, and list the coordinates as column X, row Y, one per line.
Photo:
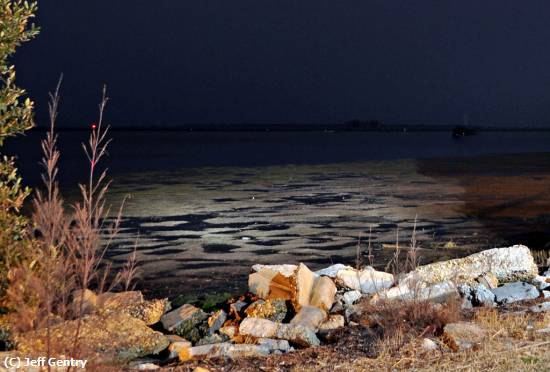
column 70, row 242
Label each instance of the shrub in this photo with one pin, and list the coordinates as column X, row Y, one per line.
column 16, row 116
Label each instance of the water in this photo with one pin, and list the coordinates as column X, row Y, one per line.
column 206, row 206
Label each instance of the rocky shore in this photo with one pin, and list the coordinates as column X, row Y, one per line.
column 290, row 309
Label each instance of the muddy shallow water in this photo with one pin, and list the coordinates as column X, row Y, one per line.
column 201, row 229
column 206, row 206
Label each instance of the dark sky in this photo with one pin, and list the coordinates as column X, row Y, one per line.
column 169, row 62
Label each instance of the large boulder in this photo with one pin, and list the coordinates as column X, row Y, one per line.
column 107, row 338
column 506, row 264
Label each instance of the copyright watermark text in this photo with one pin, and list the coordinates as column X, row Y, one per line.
column 18, row 362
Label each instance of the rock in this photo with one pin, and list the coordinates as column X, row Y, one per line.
column 337, row 307
column 463, row 335
column 212, row 339
column 183, row 321
column 176, row 347
column 143, row 365
column 331, row 271
column 281, row 345
column 235, row 309
column 274, row 310
column 429, row 344
column 540, row 308
column 547, row 272
column 541, row 282
column 149, row 312
column 305, row 280
column 216, row 321
column 545, row 294
column 483, row 296
column 230, row 331
column 309, row 316
column 351, row 297
column 543, row 331
column 270, row 284
column 297, row 334
column 333, row 322
column 439, row 292
column 489, row 280
column 323, row 293
column 513, row 292
column 257, row 327
column 368, row 280
column 466, row 304
column 263, row 328
column 130, row 302
column 110, row 339
column 465, row 291
column 506, row 264
column 301, row 286
column 223, row 350
column 285, row 270
column 89, row 301
column 119, row 300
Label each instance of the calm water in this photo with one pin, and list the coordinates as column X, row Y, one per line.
column 163, row 151
column 206, row 206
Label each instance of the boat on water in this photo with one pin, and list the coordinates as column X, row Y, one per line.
column 461, row 131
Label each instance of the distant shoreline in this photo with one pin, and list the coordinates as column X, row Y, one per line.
column 345, row 127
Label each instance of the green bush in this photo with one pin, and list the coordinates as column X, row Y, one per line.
column 16, row 116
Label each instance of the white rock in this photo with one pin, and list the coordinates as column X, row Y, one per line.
column 273, row 345
column 263, row 328
column 285, row 270
column 368, row 280
column 540, row 308
column 513, row 292
column 440, row 292
column 309, row 316
column 351, row 297
column 333, row 322
column 331, row 271
column 428, row 344
column 506, row 264
column 147, row 367
column 227, row 350
column 546, row 294
column 483, row 296
column 541, row 282
column 322, row 293
column 258, row 327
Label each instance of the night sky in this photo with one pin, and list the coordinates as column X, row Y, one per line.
column 170, row 62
